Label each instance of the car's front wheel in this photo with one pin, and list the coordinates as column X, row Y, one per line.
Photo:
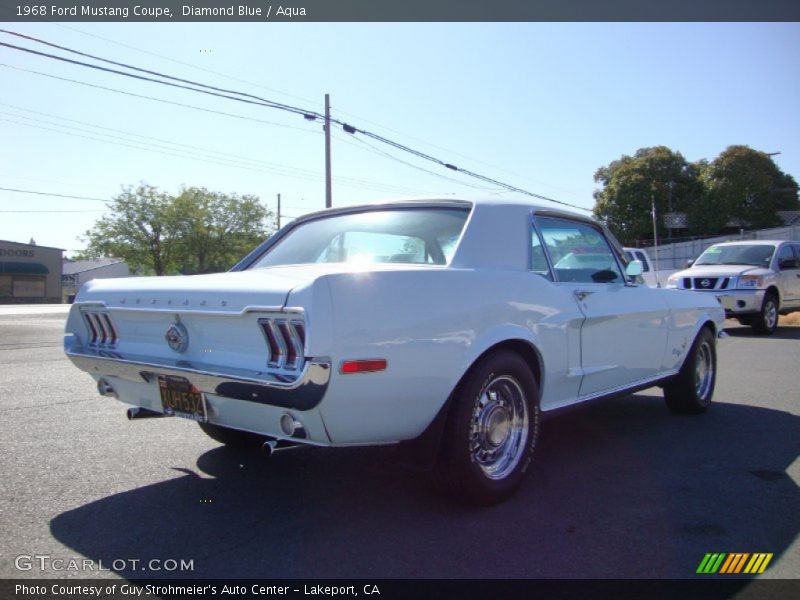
column 766, row 322
column 693, row 387
column 491, row 430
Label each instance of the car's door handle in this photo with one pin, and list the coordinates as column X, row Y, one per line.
column 581, row 294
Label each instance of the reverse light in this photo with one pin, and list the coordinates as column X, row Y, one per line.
column 750, row 282
column 362, row 366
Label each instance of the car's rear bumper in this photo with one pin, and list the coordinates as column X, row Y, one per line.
column 301, row 392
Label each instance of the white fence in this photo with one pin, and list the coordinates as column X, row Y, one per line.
column 674, row 256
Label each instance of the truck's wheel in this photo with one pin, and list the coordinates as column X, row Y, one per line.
column 693, row 387
column 491, row 430
column 766, row 322
column 233, row 438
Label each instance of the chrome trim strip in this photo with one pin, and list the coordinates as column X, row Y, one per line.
column 178, row 309
column 302, row 392
column 630, row 386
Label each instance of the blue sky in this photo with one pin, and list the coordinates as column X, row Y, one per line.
column 537, row 105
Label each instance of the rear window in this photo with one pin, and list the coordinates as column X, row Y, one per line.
column 401, row 235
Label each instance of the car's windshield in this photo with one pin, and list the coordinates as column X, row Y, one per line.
column 398, row 235
column 758, row 255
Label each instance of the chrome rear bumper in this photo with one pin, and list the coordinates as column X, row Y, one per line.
column 302, row 391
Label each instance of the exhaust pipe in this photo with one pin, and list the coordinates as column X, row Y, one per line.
column 137, row 412
column 292, row 427
column 270, row 447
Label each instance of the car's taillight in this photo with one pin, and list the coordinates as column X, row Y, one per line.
column 102, row 332
column 285, row 341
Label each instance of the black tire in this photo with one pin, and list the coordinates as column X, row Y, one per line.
column 692, row 389
column 233, row 438
column 491, row 431
column 766, row 322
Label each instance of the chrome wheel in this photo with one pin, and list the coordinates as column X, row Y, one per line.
column 703, row 371
column 770, row 314
column 499, row 427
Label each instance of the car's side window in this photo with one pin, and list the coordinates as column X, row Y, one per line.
column 538, row 259
column 641, row 257
column 579, row 252
column 786, row 257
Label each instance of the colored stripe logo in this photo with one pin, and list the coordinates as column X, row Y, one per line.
column 734, row 563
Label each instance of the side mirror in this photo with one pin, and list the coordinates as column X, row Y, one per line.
column 787, row 263
column 634, row 268
column 689, row 263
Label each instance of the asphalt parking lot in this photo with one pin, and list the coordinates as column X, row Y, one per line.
column 618, row 489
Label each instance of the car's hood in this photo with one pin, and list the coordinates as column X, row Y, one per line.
column 233, row 291
column 721, row 271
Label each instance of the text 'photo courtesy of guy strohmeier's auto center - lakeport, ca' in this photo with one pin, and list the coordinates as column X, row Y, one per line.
column 374, row 299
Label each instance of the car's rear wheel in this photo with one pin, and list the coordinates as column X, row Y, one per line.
column 766, row 322
column 491, row 430
column 692, row 389
column 233, row 438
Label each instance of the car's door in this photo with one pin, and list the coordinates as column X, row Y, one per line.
column 787, row 266
column 624, row 334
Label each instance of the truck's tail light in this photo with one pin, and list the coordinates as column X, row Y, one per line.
column 285, row 341
column 363, row 366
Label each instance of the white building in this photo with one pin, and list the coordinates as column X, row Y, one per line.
column 77, row 272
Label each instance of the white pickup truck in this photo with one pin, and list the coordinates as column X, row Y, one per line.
column 650, row 275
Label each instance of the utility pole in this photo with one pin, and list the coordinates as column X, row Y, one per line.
column 655, row 236
column 279, row 211
column 328, row 193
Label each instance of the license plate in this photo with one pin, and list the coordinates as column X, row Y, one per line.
column 181, row 398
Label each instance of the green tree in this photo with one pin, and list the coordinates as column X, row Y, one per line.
column 197, row 231
column 631, row 184
column 744, row 187
column 138, row 229
column 215, row 230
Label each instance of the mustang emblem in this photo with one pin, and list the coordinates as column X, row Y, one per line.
column 705, row 283
column 177, row 337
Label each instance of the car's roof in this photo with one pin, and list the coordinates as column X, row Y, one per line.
column 499, row 202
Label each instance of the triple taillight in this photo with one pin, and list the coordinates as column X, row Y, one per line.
column 102, row 333
column 286, row 340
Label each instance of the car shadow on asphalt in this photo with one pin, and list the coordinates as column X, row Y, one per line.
column 781, row 333
column 620, row 489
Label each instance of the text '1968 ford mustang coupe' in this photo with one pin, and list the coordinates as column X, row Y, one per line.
column 449, row 326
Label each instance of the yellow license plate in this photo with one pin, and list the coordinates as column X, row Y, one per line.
column 181, row 398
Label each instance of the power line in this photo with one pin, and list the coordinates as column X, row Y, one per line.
column 5, row 189
column 162, row 100
column 209, row 90
column 375, row 150
column 256, row 100
column 274, row 90
column 180, row 62
column 278, row 167
column 166, row 151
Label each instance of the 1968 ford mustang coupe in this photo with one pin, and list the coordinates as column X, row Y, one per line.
column 450, row 326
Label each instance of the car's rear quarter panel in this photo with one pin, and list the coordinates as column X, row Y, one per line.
column 431, row 325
